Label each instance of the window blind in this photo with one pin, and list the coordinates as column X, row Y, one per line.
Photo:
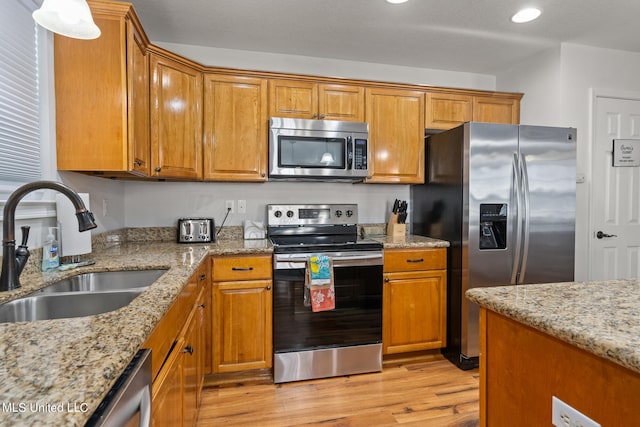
column 20, row 159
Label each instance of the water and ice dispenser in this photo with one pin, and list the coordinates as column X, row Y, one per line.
column 493, row 226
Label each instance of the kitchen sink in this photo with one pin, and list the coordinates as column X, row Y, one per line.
column 64, row 305
column 104, row 281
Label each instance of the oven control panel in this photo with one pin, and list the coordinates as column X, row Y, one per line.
column 331, row 214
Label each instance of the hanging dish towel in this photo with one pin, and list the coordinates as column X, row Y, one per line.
column 319, row 281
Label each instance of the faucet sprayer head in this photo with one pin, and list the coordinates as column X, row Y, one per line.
column 86, row 221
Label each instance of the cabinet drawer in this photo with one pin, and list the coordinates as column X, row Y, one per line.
column 415, row 259
column 241, row 268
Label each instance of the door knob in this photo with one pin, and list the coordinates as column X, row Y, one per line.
column 600, row 235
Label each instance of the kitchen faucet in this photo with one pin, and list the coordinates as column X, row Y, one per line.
column 14, row 260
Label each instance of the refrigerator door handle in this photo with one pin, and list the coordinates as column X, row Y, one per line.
column 527, row 203
column 518, row 195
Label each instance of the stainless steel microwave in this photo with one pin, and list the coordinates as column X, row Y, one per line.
column 325, row 150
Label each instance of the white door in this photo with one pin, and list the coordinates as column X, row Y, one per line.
column 615, row 197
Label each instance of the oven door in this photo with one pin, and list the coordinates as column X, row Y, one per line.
column 357, row 318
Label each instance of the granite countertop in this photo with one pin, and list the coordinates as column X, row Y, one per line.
column 601, row 317
column 411, row 242
column 56, row 372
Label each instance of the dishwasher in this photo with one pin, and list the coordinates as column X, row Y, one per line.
column 128, row 403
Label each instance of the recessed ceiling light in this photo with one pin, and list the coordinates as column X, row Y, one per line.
column 526, row 15
column 397, row 1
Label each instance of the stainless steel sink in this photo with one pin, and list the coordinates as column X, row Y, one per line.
column 104, row 281
column 63, row 305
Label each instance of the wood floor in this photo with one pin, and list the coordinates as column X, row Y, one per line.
column 427, row 393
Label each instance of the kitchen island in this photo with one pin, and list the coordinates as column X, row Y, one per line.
column 56, row 372
column 578, row 341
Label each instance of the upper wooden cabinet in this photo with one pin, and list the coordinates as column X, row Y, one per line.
column 102, row 96
column 309, row 100
column 447, row 110
column 235, row 128
column 396, row 135
column 176, row 118
column 492, row 109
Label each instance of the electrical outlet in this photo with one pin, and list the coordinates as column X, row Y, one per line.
column 563, row 415
column 229, row 204
column 242, row 206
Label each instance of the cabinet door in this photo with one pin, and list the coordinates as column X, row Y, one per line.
column 176, row 119
column 207, row 315
column 396, row 135
column 447, row 110
column 168, row 388
column 235, row 128
column 341, row 102
column 242, row 325
column 138, row 79
column 91, row 103
column 293, row 98
column 414, row 315
column 496, row 110
column 191, row 352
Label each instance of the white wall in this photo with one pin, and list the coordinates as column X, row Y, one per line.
column 557, row 87
column 328, row 67
column 162, row 203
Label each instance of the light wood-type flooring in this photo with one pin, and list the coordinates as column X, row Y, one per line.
column 415, row 393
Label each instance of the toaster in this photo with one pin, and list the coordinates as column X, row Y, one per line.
column 196, row 230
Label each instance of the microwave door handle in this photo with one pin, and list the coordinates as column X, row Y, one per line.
column 350, row 149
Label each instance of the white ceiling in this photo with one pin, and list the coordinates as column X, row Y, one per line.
column 459, row 35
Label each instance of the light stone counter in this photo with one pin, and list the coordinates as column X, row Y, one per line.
column 411, row 242
column 56, row 372
column 602, row 318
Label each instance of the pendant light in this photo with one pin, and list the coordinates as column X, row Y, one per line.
column 71, row 18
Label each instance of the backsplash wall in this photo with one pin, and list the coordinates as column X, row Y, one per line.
column 157, row 204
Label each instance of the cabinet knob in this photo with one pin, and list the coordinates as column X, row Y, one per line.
column 386, row 280
column 263, row 174
column 268, row 288
column 158, row 169
column 315, row 115
column 138, row 162
column 322, row 116
column 202, row 306
column 188, row 349
column 202, row 277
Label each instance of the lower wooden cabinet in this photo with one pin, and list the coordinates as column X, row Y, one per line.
column 414, row 300
column 178, row 356
column 242, row 311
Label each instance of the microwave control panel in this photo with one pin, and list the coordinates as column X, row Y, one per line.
column 360, row 154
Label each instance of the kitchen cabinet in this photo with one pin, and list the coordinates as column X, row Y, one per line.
column 310, row 100
column 235, row 128
column 242, row 313
column 176, row 117
column 102, row 96
column 494, row 109
column 447, row 110
column 414, row 300
column 396, row 135
column 178, row 352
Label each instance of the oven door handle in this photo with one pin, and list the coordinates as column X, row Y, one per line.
column 339, row 261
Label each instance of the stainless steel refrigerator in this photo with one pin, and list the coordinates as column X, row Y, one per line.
column 504, row 196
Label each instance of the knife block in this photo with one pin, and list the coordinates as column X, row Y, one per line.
column 394, row 229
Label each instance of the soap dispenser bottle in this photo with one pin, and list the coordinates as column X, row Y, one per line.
column 50, row 256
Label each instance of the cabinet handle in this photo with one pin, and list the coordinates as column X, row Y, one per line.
column 202, row 277
column 416, row 260
column 268, row 288
column 386, row 280
column 241, row 268
column 322, row 116
column 188, row 349
column 263, row 174
column 138, row 162
column 314, row 115
column 158, row 169
column 202, row 306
